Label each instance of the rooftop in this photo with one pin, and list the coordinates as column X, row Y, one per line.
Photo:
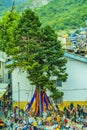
column 75, row 56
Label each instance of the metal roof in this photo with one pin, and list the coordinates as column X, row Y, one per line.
column 76, row 57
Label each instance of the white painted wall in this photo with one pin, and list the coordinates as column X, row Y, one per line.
column 26, row 89
column 75, row 89
column 3, row 71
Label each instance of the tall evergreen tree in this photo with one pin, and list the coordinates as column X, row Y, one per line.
column 37, row 51
column 54, row 61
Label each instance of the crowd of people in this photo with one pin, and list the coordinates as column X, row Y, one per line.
column 70, row 118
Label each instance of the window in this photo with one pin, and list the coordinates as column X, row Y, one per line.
column 0, row 64
column 9, row 75
column 59, row 83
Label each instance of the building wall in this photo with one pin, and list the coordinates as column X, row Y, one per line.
column 21, row 97
column 75, row 88
column 25, row 92
column 3, row 71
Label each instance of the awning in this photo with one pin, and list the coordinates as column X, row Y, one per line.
column 3, row 89
column 2, row 93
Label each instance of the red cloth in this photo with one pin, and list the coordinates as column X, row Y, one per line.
column 65, row 120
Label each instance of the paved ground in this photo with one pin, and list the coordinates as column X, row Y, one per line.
column 3, row 118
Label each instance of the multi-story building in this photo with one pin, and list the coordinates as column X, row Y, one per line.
column 4, row 80
column 22, row 90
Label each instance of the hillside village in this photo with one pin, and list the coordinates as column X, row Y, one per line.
column 76, row 42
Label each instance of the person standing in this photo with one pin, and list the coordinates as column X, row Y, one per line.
column 8, row 124
column 6, row 112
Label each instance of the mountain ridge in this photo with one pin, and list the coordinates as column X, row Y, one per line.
column 20, row 5
column 67, row 14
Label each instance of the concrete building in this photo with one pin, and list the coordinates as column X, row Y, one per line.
column 2, row 67
column 22, row 90
column 75, row 88
column 4, row 78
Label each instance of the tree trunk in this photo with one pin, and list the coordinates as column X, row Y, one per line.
column 38, row 102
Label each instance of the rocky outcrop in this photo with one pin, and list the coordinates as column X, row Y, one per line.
column 24, row 4
column 38, row 3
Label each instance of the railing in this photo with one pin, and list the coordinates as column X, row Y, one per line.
column 76, row 57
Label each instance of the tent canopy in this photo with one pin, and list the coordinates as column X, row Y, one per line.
column 2, row 93
column 3, row 89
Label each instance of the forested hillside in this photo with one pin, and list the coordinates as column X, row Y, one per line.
column 32, row 4
column 6, row 4
column 65, row 14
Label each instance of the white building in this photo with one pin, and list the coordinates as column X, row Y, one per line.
column 75, row 88
column 22, row 90
column 2, row 67
column 4, row 78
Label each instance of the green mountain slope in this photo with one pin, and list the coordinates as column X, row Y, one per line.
column 32, row 4
column 5, row 5
column 2, row 7
column 64, row 14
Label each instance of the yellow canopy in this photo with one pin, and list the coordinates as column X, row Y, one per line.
column 3, row 89
column 2, row 93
